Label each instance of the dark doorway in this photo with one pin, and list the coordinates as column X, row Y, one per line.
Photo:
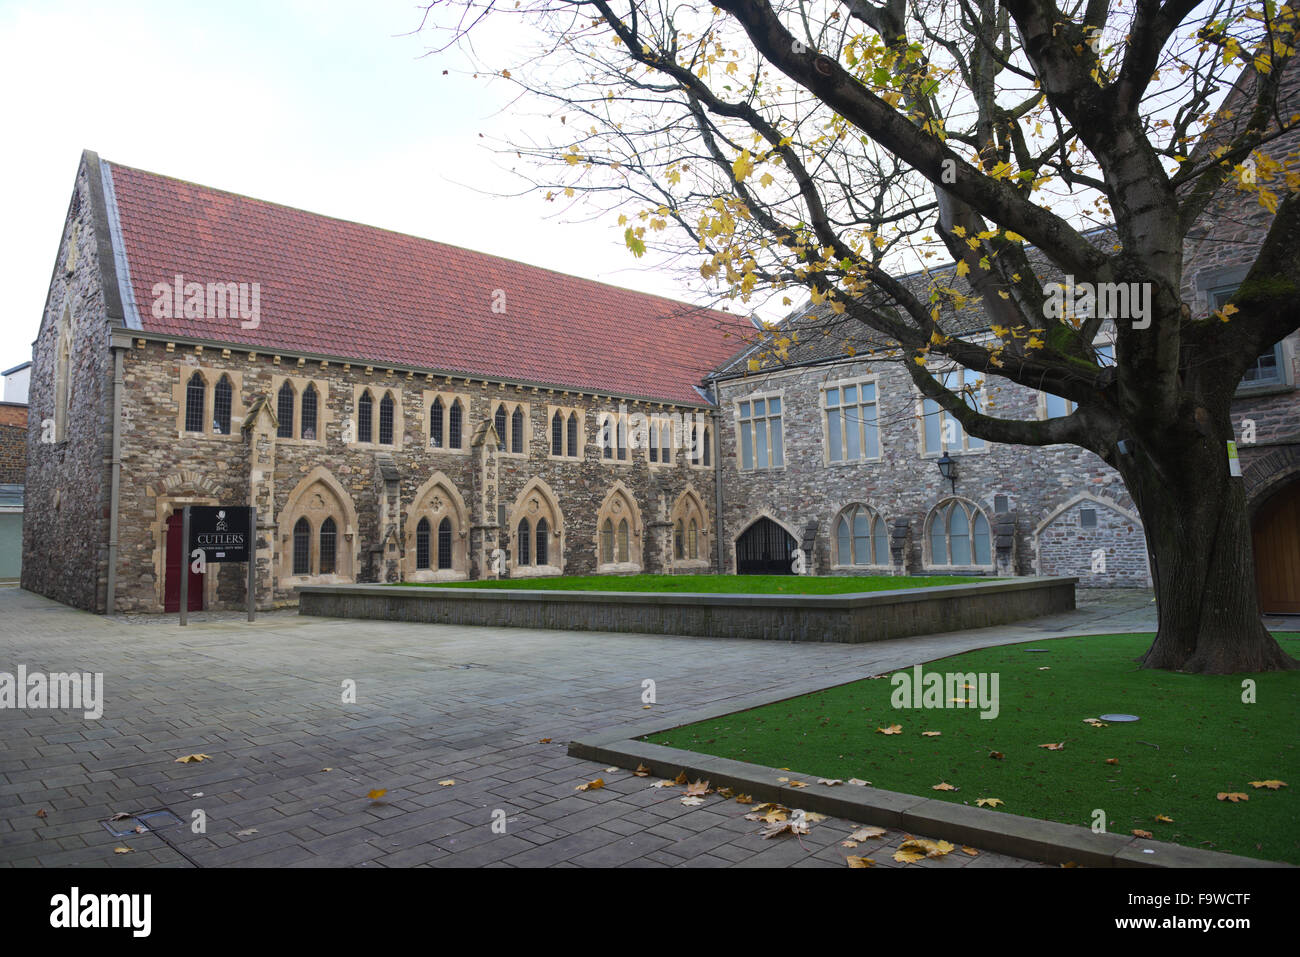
column 175, row 559
column 765, row 548
column 1277, row 551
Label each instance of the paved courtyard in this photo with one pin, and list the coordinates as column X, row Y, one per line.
column 291, row 763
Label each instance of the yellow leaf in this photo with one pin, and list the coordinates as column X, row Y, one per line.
column 962, row 268
column 989, row 802
column 447, row 783
column 967, row 849
column 376, row 794
column 892, row 729
column 1233, row 796
column 931, row 734
column 1164, row 819
column 944, row 786
column 191, row 758
column 1271, row 785
column 743, row 166
column 1138, row 832
column 859, row 862
column 866, row 833
column 595, row 785
column 121, row 850
column 1054, row 747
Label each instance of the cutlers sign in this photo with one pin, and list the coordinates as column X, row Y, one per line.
column 222, row 531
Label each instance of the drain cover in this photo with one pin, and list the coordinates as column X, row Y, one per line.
column 1119, row 718
column 149, row 820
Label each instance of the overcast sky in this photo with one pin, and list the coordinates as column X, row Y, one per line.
column 327, row 106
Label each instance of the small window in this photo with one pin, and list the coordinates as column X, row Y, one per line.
column 435, row 424
column 365, row 417
column 328, row 546
column 607, row 542
column 302, row 547
column 454, row 415
column 517, row 431
column 309, row 405
column 761, row 445
column 622, row 541
column 692, row 540
column 386, row 419
column 557, row 434
column 422, row 544
column 196, row 397
column 524, row 539
column 573, row 435
column 542, row 551
column 1001, row 504
column 679, row 541
column 707, row 451
column 221, row 406
column 499, row 423
column 284, row 412
column 444, row 544
column 1087, row 518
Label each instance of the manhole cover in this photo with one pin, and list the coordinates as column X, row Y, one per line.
column 149, row 820
column 1119, row 718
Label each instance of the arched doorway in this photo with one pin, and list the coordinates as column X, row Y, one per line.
column 175, row 557
column 765, row 548
column 1276, row 531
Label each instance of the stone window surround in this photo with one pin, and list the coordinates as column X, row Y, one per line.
column 767, row 417
column 323, row 415
column 429, row 395
column 550, row 510
column 453, row 507
column 877, row 516
column 709, row 433
column 689, row 505
column 340, row 507
column 668, row 457
column 635, row 537
column 625, row 429
column 63, row 342
column 565, row 411
column 377, row 390
column 920, row 398
column 510, row 406
column 211, row 376
column 859, row 380
column 927, row 558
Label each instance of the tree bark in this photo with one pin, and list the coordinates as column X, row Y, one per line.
column 1202, row 556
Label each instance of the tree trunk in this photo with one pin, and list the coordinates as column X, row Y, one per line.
column 1202, row 556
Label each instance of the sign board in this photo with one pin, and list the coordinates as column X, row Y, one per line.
column 223, row 532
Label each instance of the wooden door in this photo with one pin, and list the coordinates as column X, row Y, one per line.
column 175, row 559
column 1277, row 551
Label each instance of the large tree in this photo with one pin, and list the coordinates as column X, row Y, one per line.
column 838, row 144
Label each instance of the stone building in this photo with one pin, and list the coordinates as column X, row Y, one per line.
column 401, row 410
column 395, row 409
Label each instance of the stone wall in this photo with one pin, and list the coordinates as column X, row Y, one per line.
column 13, row 443
column 65, row 537
column 373, row 487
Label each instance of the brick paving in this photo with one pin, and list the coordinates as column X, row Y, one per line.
column 433, row 703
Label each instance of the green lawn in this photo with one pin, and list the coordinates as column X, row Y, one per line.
column 731, row 584
column 1196, row 738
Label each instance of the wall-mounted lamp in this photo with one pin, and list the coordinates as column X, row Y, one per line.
column 948, row 469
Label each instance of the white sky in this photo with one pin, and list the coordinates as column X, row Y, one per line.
column 325, row 106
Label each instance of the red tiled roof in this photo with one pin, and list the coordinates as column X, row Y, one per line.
column 331, row 287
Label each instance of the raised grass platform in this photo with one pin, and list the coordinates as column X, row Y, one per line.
column 859, row 617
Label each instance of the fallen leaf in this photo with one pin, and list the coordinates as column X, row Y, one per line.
column 323, row 769
column 377, row 794
column 190, row 758
column 859, row 862
column 944, row 786
column 1069, row 864
column 858, row 782
column 848, row 843
column 251, row 830
column 744, row 799
column 681, row 778
column 931, row 734
column 1137, row 832
column 41, row 813
column 642, row 771
column 797, row 824
column 830, row 782
column 725, row 792
column 967, row 849
column 1233, row 796
column 610, row 770
column 798, row 784
column 1095, row 723
column 892, row 729
column 1112, row 760
column 866, row 833
column 1045, row 668
column 121, row 816
column 1164, row 819
column 989, row 802
column 595, row 785
column 1054, row 747
column 913, row 849
column 1271, row 785
column 698, row 789
column 813, row 817
column 544, row 741
column 692, row 801
column 447, row 783
column 996, row 755
column 122, row 850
